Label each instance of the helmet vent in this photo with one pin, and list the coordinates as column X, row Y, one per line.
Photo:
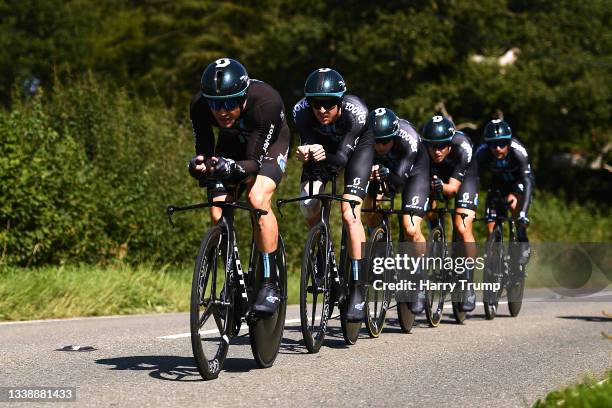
column 218, row 80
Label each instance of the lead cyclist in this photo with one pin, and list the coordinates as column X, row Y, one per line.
column 251, row 151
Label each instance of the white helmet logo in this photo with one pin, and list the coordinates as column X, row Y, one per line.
column 437, row 119
column 222, row 63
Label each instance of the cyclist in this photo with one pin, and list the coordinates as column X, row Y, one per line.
column 250, row 153
column 402, row 164
column 330, row 124
column 454, row 174
column 506, row 159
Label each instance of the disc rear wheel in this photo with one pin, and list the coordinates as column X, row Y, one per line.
column 350, row 329
column 266, row 333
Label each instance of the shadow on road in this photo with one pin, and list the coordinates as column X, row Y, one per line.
column 484, row 316
column 587, row 318
column 174, row 368
column 170, row 368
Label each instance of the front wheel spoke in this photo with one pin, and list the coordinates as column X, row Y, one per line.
column 314, row 308
column 207, row 313
column 220, row 323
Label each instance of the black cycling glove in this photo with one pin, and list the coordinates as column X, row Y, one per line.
column 228, row 169
column 192, row 169
column 383, row 172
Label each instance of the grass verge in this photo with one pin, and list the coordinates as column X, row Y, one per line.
column 83, row 290
column 587, row 394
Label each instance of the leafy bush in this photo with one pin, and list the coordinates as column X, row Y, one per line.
column 85, row 175
column 584, row 395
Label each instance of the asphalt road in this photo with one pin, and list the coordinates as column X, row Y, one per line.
column 146, row 361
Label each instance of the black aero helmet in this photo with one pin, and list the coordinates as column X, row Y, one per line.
column 438, row 129
column 497, row 129
column 224, row 78
column 383, row 122
column 325, row 82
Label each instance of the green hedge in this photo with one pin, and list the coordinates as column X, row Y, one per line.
column 85, row 175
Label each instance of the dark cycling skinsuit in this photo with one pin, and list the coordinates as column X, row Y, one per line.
column 344, row 142
column 408, row 164
column 509, row 175
column 258, row 141
column 460, row 165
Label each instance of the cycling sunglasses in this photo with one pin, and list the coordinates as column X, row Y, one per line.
column 437, row 145
column 227, row 104
column 498, row 143
column 384, row 141
column 326, row 103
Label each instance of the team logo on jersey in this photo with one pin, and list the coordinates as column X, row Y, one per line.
column 357, row 111
column 268, row 137
column 302, row 104
column 468, row 149
column 411, row 140
column 282, row 161
column 519, row 148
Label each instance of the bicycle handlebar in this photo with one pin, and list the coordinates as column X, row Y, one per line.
column 321, row 167
column 281, row 201
column 171, row 209
column 498, row 198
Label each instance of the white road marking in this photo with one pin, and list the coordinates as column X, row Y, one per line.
column 290, row 321
column 212, row 331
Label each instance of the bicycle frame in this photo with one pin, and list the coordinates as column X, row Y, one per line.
column 232, row 254
column 499, row 203
column 325, row 200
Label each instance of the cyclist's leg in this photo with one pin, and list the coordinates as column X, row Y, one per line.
column 311, row 209
column 466, row 203
column 266, row 235
column 354, row 226
column 415, row 198
column 521, row 231
column 356, row 178
column 260, row 194
column 373, row 194
column 490, row 212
